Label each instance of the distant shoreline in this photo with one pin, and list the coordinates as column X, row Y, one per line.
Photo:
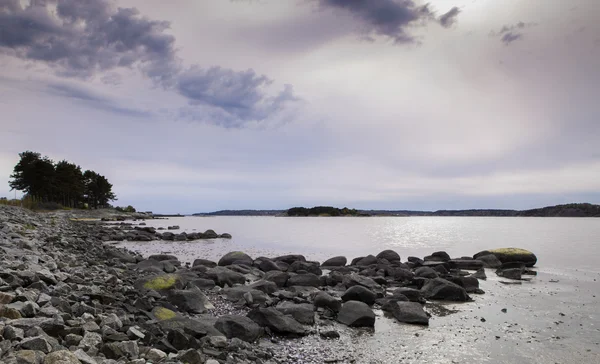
column 567, row 210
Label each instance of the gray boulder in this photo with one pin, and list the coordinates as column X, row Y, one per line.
column 338, row 261
column 303, row 313
column 356, row 314
column 441, row 289
column 277, row 321
column 359, row 293
column 323, row 299
column 241, row 327
column 407, row 312
column 236, row 256
column 307, row 279
column 389, row 255
column 191, row 300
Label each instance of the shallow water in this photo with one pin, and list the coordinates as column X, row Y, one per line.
column 554, row 318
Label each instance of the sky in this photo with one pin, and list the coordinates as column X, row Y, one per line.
column 201, row 105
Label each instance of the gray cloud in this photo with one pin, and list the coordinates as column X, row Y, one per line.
column 448, row 19
column 389, row 18
column 241, row 94
column 511, row 33
column 83, row 38
column 92, row 99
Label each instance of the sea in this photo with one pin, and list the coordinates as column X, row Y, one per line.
column 552, row 318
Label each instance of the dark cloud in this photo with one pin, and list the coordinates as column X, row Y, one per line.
column 92, row 99
column 82, row 38
column 448, row 19
column 511, row 33
column 390, row 18
column 240, row 94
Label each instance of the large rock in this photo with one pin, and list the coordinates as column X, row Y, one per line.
column 408, row 312
column 356, row 314
column 225, row 277
column 413, row 295
column 191, row 300
column 162, row 282
column 338, row 261
column 308, row 279
column 489, row 261
column 123, row 349
column 359, row 293
column 303, row 313
column 239, row 327
column 389, row 255
column 236, row 256
column 441, row 289
column 368, row 260
column 440, row 256
column 277, row 321
column 467, row 264
column 511, row 255
column 290, row 259
column 426, row 272
column 324, row 299
column 61, row 357
column 279, row 278
column 358, row 280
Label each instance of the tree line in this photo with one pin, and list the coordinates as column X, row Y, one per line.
column 62, row 182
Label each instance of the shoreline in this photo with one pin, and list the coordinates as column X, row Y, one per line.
column 94, row 270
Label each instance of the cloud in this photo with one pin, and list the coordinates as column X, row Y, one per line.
column 448, row 19
column 511, row 33
column 388, row 18
column 84, row 38
column 92, row 99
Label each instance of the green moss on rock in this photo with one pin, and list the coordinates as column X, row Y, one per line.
column 161, row 282
column 162, row 314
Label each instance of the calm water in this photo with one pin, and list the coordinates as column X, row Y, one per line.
column 554, row 318
column 558, row 242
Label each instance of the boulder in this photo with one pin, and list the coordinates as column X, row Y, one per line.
column 338, row 261
column 407, row 312
column 224, row 276
column 426, row 272
column 190, row 300
column 277, row 321
column 359, row 293
column 161, row 282
column 356, row 314
column 413, row 295
column 308, row 279
column 236, row 256
column 241, row 327
column 358, row 280
column 37, row 343
column 389, row 255
column 267, row 265
column 61, row 357
column 505, row 255
column 279, row 278
column 204, row 262
column 440, row 256
column 467, row 264
column 306, row 267
column 511, row 273
column 123, row 349
column 290, row 258
column 267, row 287
column 303, row 313
column 441, row 289
column 246, row 293
column 368, row 260
column 324, row 299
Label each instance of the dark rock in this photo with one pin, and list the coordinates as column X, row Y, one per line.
column 267, row 265
column 356, row 314
column 441, row 289
column 338, row 261
column 489, row 261
column 201, row 283
column 308, row 279
column 330, row 334
column 480, row 274
column 389, row 255
column 277, row 321
column 505, row 255
column 426, row 272
column 408, row 312
column 323, row 299
column 265, row 286
column 232, row 257
column 305, row 267
column 161, row 257
column 240, row 327
column 224, row 276
column 303, row 313
column 38, row 343
column 192, row 300
column 117, row 350
column 468, row 264
column 280, row 278
column 368, row 260
column 204, row 262
column 61, row 357
column 359, row 293
column 290, row 259
column 512, row 273
column 358, row 280
column 413, row 295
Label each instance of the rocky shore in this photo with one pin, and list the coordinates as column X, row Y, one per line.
column 66, row 297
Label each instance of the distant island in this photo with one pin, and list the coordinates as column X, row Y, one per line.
column 567, row 210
